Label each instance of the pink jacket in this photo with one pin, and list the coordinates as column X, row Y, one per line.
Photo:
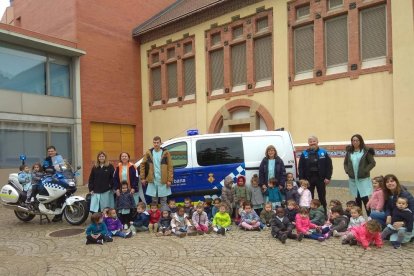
column 303, row 224
column 376, row 202
column 364, row 237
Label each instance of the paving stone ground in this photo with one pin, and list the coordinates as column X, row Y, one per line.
column 27, row 249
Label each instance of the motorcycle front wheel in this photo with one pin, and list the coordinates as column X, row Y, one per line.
column 76, row 213
column 24, row 216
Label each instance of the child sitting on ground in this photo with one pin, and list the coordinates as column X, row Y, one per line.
column 356, row 220
column 180, row 225
column 164, row 225
column 339, row 223
column 282, row 227
column 200, row 219
column 249, row 219
column 208, row 209
column 305, row 194
column 114, row 225
column 376, row 202
column 273, row 193
column 332, row 203
column 291, row 210
column 96, row 232
column 141, row 220
column 125, row 204
column 256, row 194
column 369, row 232
column 222, row 220
column 349, row 205
column 266, row 215
column 317, row 213
column 305, row 227
column 291, row 192
column 227, row 194
column 155, row 215
column 216, row 207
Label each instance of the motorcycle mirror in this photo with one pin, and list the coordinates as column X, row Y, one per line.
column 78, row 167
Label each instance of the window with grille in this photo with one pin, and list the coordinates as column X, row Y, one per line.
column 170, row 53
column 333, row 4
column 189, row 76
column 262, row 24
column 302, row 12
column 156, row 83
column 238, row 32
column 155, row 58
column 217, row 69
column 215, row 39
column 304, row 49
column 188, row 48
column 263, row 58
column 336, row 41
column 238, row 64
column 172, row 80
column 373, row 33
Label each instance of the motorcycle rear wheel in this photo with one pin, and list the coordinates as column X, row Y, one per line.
column 24, row 216
column 77, row 213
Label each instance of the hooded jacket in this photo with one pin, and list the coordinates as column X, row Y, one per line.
column 256, row 196
column 200, row 219
column 227, row 193
column 222, row 219
column 280, row 225
column 146, row 170
column 317, row 216
column 303, row 224
column 366, row 164
column 377, row 200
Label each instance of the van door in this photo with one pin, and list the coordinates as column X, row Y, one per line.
column 217, row 157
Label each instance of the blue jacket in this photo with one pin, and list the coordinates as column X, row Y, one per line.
column 274, row 194
column 125, row 201
column 324, row 164
column 390, row 203
column 280, row 171
column 96, row 229
column 141, row 219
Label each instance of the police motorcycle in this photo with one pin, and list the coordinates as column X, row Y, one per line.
column 55, row 196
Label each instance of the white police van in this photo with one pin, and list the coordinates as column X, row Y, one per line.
column 201, row 162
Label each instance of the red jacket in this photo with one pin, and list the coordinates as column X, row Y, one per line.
column 303, row 224
column 364, row 237
column 154, row 216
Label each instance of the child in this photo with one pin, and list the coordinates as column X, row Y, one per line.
column 227, row 193
column 97, row 232
column 216, row 207
column 282, row 227
column 377, row 200
column 238, row 212
column 105, row 212
column 164, row 225
column 364, row 235
column 114, row 225
column 221, row 220
column 180, row 224
column 356, row 217
column 207, row 208
column 188, row 207
column 332, row 203
column 249, row 219
column 37, row 174
column 305, row 227
column 305, row 194
column 124, row 204
column 289, row 177
column 155, row 215
column 25, row 177
column 241, row 192
column 273, row 193
column 349, row 205
column 339, row 222
column 172, row 206
column 317, row 213
column 256, row 194
column 291, row 192
column 200, row 220
column 141, row 220
column 401, row 214
column 267, row 214
column 291, row 211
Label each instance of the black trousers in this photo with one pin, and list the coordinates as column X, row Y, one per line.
column 125, row 218
column 359, row 201
column 93, row 240
column 315, row 181
column 289, row 234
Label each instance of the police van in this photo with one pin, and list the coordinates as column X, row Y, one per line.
column 201, row 162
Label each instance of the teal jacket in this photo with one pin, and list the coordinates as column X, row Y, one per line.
column 96, row 229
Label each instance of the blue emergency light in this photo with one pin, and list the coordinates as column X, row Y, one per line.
column 192, row 132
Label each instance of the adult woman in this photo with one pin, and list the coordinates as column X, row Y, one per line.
column 272, row 166
column 126, row 171
column 359, row 161
column 100, row 183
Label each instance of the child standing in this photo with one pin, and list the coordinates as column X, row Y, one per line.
column 125, row 203
column 240, row 191
column 267, row 214
column 37, row 174
column 256, row 194
column 216, row 207
column 401, row 214
column 200, row 219
column 164, row 225
column 180, row 224
column 141, row 220
column 305, row 194
column 291, row 210
column 273, row 193
column 25, row 177
column 222, row 220
column 97, row 232
column 377, row 200
column 317, row 213
column 155, row 215
column 227, row 193
column 305, row 227
column 364, row 235
column 282, row 227
column 291, row 192
column 249, row 219
column 188, row 207
column 114, row 225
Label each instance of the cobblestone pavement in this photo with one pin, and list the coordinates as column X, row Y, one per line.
column 26, row 249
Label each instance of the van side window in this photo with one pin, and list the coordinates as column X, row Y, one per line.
column 218, row 151
column 179, row 154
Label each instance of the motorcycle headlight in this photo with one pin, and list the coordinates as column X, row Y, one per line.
column 72, row 183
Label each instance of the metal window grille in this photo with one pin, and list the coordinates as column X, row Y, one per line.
column 336, row 39
column 238, row 32
column 304, row 49
column 215, row 39
column 238, row 64
column 188, row 48
column 262, row 24
column 172, row 80
column 302, row 12
column 217, row 69
column 373, row 33
column 189, row 76
column 155, row 58
column 333, row 4
column 170, row 53
column 156, row 83
column 263, row 58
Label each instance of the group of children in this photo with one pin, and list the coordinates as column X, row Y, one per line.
column 30, row 180
column 288, row 212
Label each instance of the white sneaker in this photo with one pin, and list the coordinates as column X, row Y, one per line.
column 336, row 234
column 125, row 226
